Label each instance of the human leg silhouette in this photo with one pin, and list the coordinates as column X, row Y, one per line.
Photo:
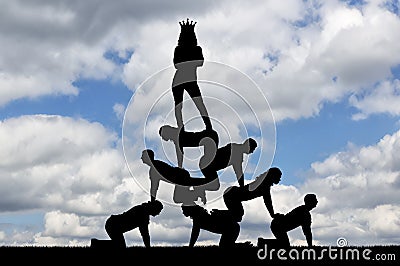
column 194, row 92
column 279, row 232
column 114, row 233
column 198, row 101
column 177, row 92
column 229, row 236
column 232, row 200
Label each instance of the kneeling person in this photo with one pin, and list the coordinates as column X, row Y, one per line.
column 299, row 216
column 136, row 217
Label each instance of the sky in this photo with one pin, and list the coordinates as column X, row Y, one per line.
column 85, row 85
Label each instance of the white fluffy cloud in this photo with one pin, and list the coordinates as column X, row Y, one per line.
column 358, row 189
column 300, row 56
column 81, row 180
column 73, row 170
column 48, row 45
column 56, row 161
column 66, row 166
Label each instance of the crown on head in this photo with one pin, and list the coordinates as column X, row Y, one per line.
column 188, row 25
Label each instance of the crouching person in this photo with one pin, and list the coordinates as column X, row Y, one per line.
column 298, row 217
column 136, row 217
column 218, row 221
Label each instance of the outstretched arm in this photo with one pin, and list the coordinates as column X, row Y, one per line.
column 195, row 234
column 308, row 234
column 268, row 203
column 154, row 184
column 144, row 231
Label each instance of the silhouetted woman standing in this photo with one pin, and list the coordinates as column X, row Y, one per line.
column 188, row 56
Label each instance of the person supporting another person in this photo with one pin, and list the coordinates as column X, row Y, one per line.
column 214, row 222
column 260, row 187
column 207, row 138
column 231, row 154
column 160, row 170
column 298, row 217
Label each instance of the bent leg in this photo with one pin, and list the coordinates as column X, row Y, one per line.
column 116, row 235
column 229, row 237
column 280, row 233
column 233, row 202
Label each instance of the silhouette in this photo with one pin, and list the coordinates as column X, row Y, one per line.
column 229, row 155
column 260, row 187
column 188, row 195
column 188, row 56
column 181, row 138
column 160, row 170
column 299, row 216
column 218, row 221
column 136, row 217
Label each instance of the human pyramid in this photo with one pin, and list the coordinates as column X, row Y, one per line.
column 188, row 190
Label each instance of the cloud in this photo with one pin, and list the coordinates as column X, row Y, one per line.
column 331, row 51
column 57, row 162
column 345, row 53
column 301, row 57
column 383, row 98
column 51, row 45
column 119, row 110
column 73, row 171
column 80, row 180
column 355, row 187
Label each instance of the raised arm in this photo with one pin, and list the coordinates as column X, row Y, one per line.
column 144, row 231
